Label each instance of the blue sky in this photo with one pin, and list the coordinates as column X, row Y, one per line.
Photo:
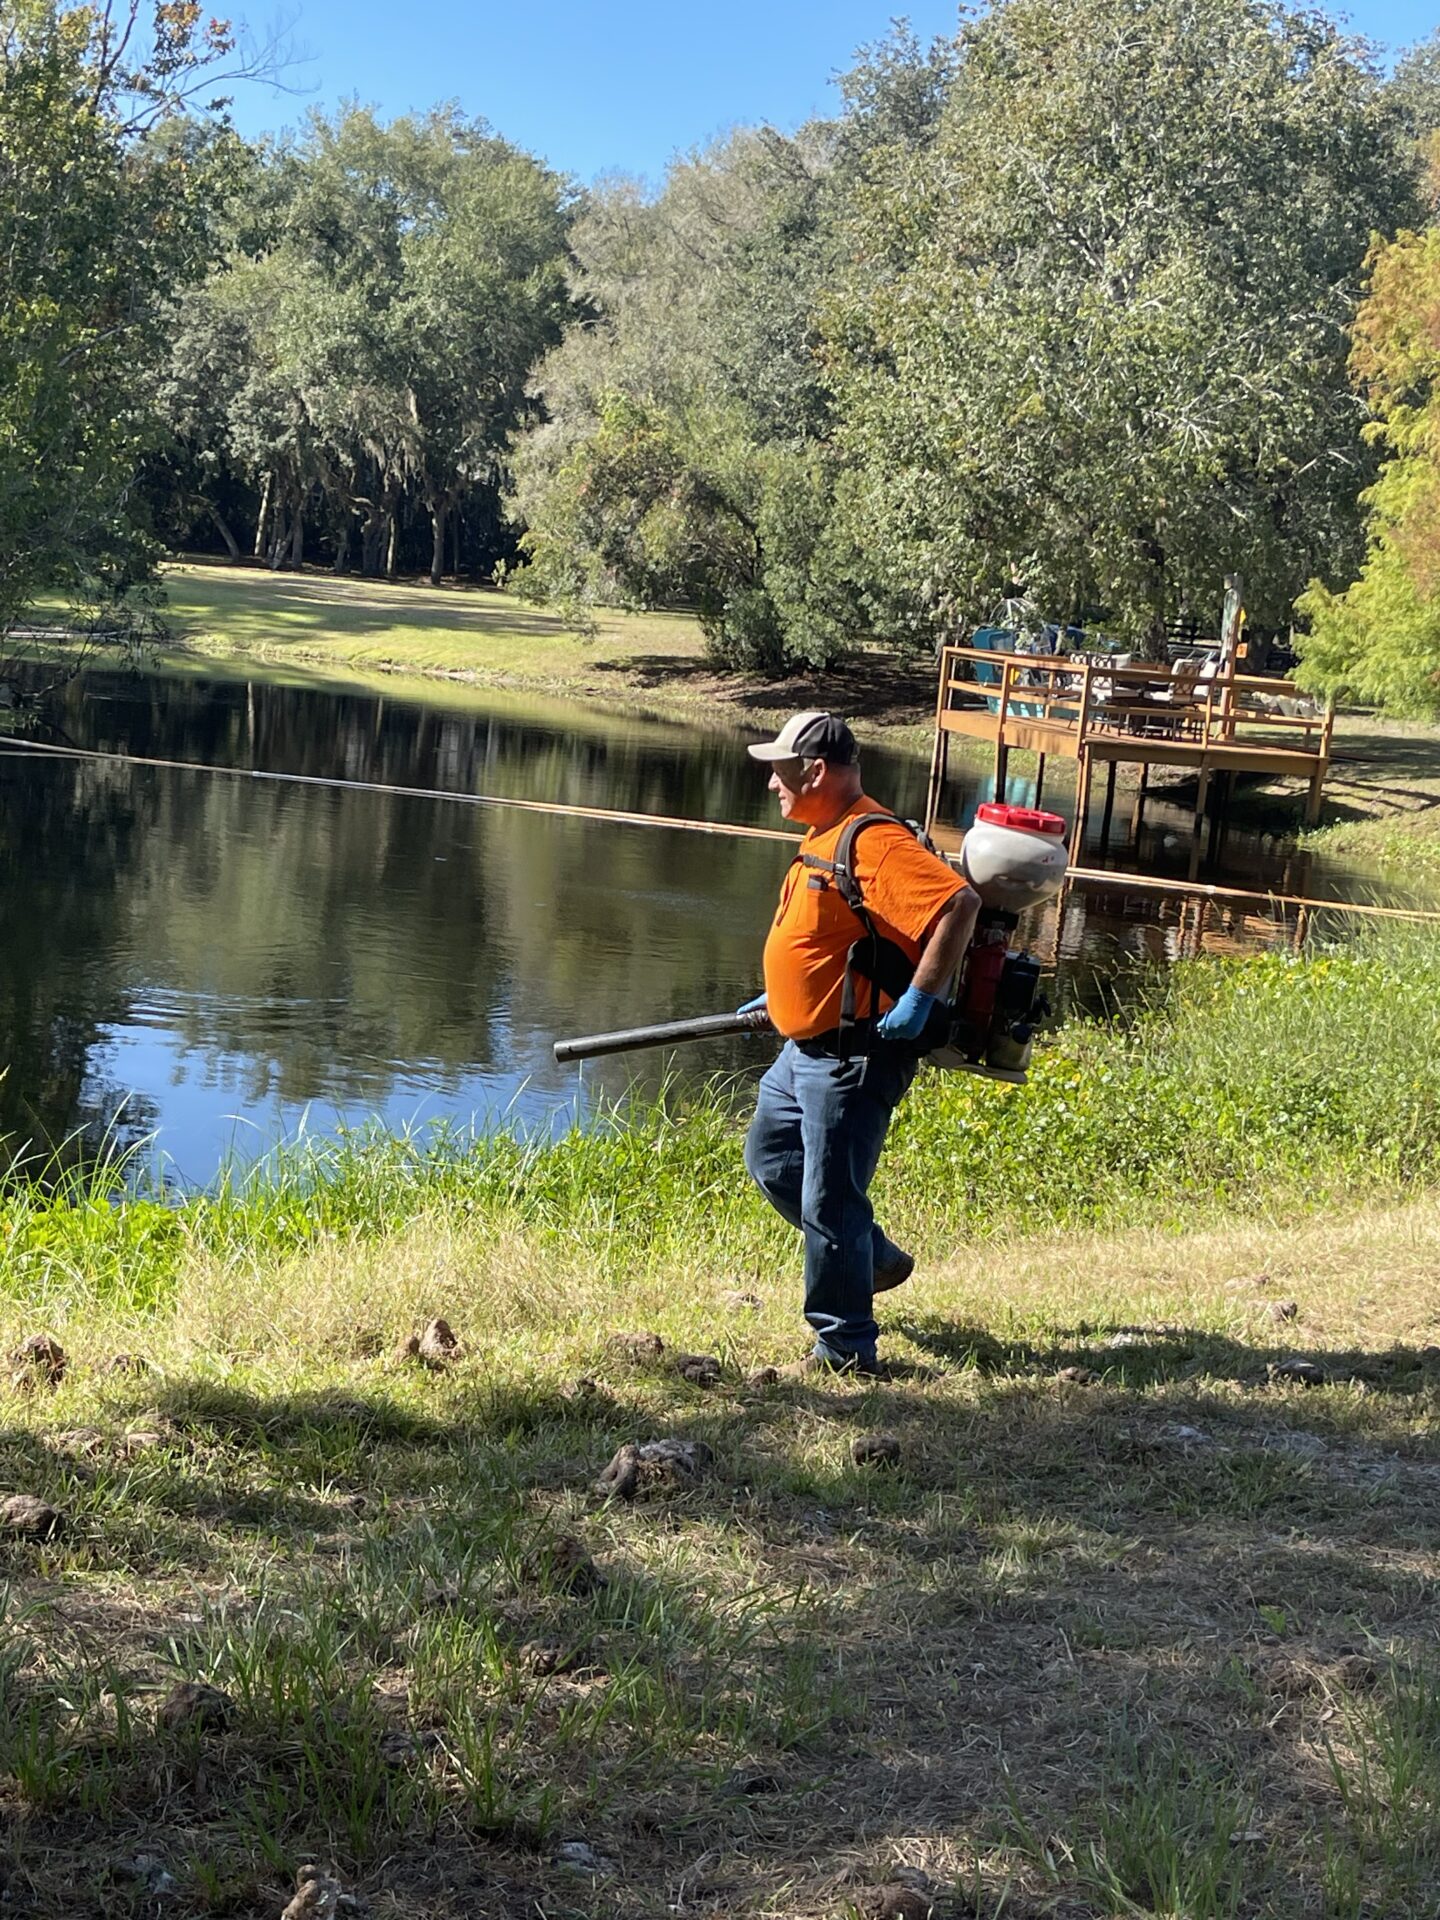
column 624, row 85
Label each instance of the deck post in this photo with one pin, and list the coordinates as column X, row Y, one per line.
column 1202, row 794
column 1002, row 751
column 1082, row 806
column 1002, row 766
column 1040, row 780
column 941, row 754
column 1138, row 816
column 1312, row 804
column 1111, row 770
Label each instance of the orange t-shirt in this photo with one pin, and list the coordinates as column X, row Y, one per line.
column 903, row 887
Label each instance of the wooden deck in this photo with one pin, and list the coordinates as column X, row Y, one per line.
column 1101, row 715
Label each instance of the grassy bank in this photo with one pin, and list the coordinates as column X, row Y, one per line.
column 654, row 661
column 1128, row 1624
column 1382, row 801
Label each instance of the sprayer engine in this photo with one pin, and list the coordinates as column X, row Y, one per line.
column 1014, row 857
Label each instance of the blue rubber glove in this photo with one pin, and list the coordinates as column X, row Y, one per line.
column 906, row 1019
column 757, row 1005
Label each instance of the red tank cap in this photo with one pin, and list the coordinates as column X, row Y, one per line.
column 1023, row 819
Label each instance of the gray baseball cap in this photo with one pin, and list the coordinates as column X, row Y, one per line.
column 811, row 736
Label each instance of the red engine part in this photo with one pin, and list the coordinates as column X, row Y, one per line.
column 984, row 965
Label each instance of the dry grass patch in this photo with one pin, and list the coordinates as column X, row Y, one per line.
column 1125, row 1623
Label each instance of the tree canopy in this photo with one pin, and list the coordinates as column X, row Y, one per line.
column 1094, row 335
column 109, row 178
column 1065, row 299
column 362, row 351
column 1379, row 640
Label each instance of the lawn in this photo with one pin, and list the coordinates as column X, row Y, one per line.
column 442, row 630
column 1115, row 1599
column 1092, row 1610
column 651, row 660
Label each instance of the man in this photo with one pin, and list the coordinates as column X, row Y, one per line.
column 824, row 1107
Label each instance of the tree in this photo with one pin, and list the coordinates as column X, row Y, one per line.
column 696, row 330
column 1379, row 640
column 365, row 347
column 107, row 178
column 1093, row 336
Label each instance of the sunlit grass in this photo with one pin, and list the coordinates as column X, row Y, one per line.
column 372, row 623
column 1133, row 1625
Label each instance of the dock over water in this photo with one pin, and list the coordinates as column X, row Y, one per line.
column 1102, row 714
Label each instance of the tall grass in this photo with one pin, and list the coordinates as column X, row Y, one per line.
column 1277, row 1080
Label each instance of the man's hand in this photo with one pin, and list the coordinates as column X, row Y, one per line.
column 757, row 1005
column 906, row 1019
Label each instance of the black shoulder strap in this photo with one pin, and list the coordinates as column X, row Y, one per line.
column 879, row 960
column 847, row 881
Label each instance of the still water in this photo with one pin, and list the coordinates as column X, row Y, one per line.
column 218, row 963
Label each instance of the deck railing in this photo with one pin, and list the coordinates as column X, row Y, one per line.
column 1089, row 699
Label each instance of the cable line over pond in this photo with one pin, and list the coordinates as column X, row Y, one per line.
column 1086, row 876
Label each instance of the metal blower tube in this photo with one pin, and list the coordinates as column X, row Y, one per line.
column 712, row 1026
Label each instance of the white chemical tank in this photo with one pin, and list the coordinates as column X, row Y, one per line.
column 1014, row 857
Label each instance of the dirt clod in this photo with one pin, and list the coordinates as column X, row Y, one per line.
column 195, row 1705
column 894, row 1901
column 1078, row 1376
column 578, row 1856
column 565, row 1564
column 1305, row 1373
column 546, row 1657
column 875, row 1450
column 653, row 1464
column 763, row 1377
column 38, row 1361
column 741, row 1302
column 638, row 1348
column 132, row 1364
column 700, row 1369
column 320, row 1896
column 24, row 1517
column 439, row 1344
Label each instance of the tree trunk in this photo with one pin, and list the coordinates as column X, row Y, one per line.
column 264, row 515
column 370, row 538
column 437, row 547
column 279, row 537
column 392, row 545
column 342, row 546
column 297, row 536
column 457, row 523
column 232, row 545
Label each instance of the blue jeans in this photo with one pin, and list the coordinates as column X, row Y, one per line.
column 812, row 1150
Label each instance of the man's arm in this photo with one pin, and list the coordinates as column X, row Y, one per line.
column 946, row 939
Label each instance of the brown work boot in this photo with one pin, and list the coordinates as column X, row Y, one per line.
column 894, row 1275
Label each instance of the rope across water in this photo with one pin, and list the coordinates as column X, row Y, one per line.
column 1089, row 876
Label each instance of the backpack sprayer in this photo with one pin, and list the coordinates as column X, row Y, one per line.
column 1014, row 857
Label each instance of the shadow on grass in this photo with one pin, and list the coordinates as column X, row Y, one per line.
column 1136, row 1357
column 954, row 1649
column 873, row 685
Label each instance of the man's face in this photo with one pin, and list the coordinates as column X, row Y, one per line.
column 798, row 785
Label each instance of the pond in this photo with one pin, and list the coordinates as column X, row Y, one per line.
column 214, row 964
